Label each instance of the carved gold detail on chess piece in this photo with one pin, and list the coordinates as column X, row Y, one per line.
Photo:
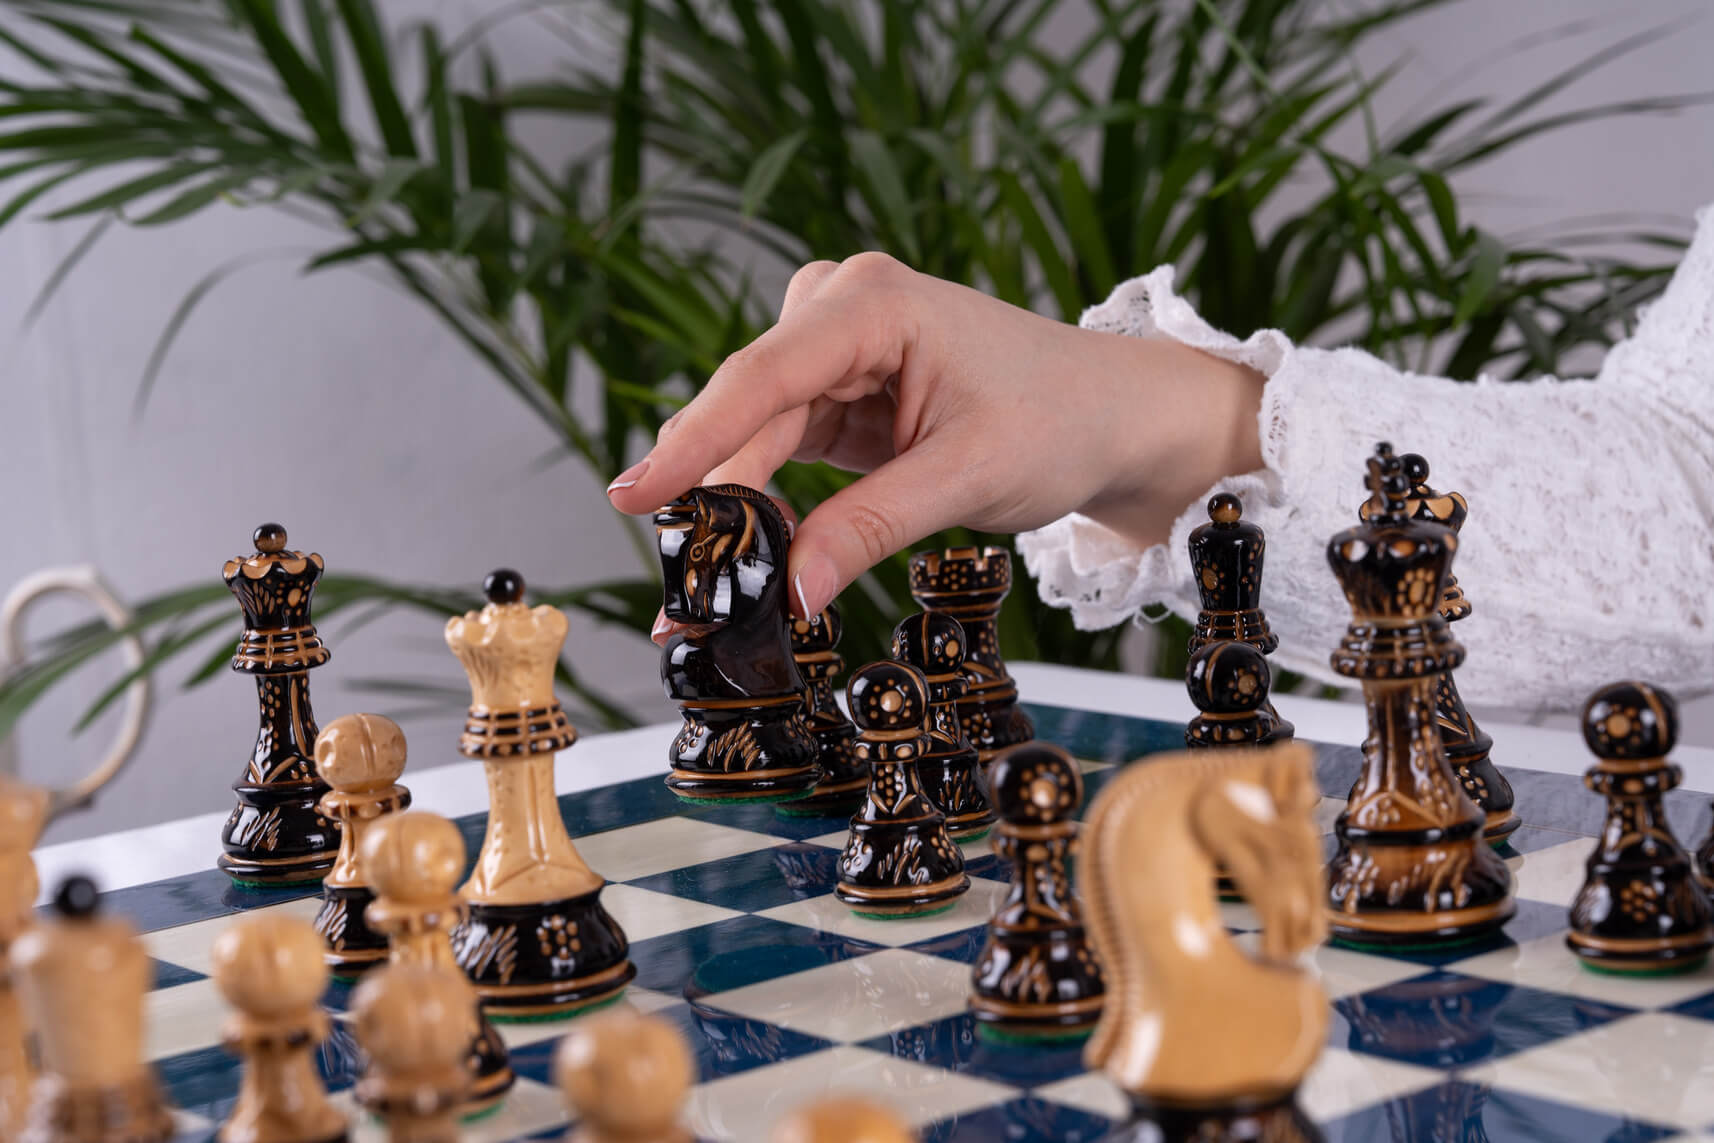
column 1177, row 982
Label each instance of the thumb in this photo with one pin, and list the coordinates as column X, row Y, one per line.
column 915, row 494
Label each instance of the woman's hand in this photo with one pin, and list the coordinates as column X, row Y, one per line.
column 962, row 410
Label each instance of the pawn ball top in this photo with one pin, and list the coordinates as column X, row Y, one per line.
column 1227, row 678
column 842, row 1119
column 270, row 538
column 268, row 965
column 503, row 585
column 77, row 898
column 625, row 1073
column 888, row 696
column 360, row 753
column 1225, row 509
column 415, row 1020
column 1035, row 783
column 1630, row 720
column 415, row 857
column 930, row 641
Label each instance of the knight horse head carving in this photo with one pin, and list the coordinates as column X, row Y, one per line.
column 1177, row 983
column 723, row 555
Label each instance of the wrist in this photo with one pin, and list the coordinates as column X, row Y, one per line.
column 1182, row 421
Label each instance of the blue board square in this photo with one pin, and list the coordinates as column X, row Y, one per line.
column 752, row 882
column 191, row 898
column 955, row 1044
column 736, row 952
column 775, row 822
column 1458, row 1112
column 1444, row 1020
column 612, row 807
column 1026, row 1118
column 964, row 945
column 168, row 975
column 1101, row 737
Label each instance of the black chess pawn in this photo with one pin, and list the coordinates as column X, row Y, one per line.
column 1641, row 908
column 843, row 777
column 1226, row 557
column 898, row 861
column 723, row 563
column 1037, row 976
column 277, row 835
column 1467, row 745
column 1228, row 683
column 1412, row 867
column 950, row 768
column 970, row 584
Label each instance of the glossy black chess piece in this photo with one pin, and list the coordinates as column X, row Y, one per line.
column 898, row 860
column 277, row 835
column 1226, row 556
column 1641, row 909
column 1037, row 976
column 1228, row 684
column 843, row 777
column 970, row 584
column 1467, row 745
column 934, row 644
column 723, row 563
column 1281, row 1122
column 1412, row 867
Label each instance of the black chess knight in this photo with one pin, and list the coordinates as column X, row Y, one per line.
column 1467, row 745
column 950, row 768
column 1641, row 909
column 1226, row 557
column 723, row 563
column 843, row 778
column 898, row 860
column 969, row 584
column 1037, row 976
column 277, row 834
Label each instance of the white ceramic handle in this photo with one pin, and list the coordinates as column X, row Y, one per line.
column 85, row 582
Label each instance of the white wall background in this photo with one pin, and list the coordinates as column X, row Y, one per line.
column 341, row 409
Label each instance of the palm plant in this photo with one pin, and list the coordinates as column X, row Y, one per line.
column 741, row 139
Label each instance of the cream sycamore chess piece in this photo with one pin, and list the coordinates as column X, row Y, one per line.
column 270, row 969
column 361, row 756
column 413, row 860
column 538, row 941
column 624, row 1077
column 842, row 1119
column 23, row 812
column 81, row 977
column 1209, row 1041
column 415, row 1022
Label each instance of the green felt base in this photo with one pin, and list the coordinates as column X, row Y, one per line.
column 1413, row 946
column 1000, row 1034
column 970, row 838
column 247, row 884
column 1674, row 968
column 763, row 800
column 492, row 1109
column 501, row 1016
column 935, row 912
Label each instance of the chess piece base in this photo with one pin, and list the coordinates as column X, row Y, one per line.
column 133, row 1112
column 1008, row 1020
column 754, row 754
column 702, row 789
column 1403, row 929
column 1645, row 956
column 1499, row 825
column 264, row 816
column 287, row 873
column 1392, row 887
column 352, row 946
column 903, row 900
column 547, row 960
column 1281, row 1121
column 493, row 1068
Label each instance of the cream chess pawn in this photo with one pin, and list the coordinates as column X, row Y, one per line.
column 361, row 756
column 537, row 941
column 23, row 812
column 415, row 1022
column 270, row 970
column 81, row 977
column 413, row 860
column 625, row 1077
column 842, row 1119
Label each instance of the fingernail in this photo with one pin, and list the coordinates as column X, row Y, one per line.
column 660, row 629
column 814, row 585
column 629, row 477
column 791, row 528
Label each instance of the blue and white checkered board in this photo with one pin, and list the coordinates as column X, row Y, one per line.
column 783, row 994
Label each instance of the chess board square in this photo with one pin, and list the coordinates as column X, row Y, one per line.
column 734, row 953
column 188, row 1127
column 191, row 946
column 528, row 1109
column 205, row 1081
column 194, row 897
column 963, row 946
column 745, row 1107
column 827, row 914
column 1343, row 972
column 955, row 1044
column 171, row 975
column 1100, row 737
column 1456, row 1110
column 1527, row 839
column 1445, row 1020
column 644, row 914
column 637, row 851
column 1553, row 874
column 614, row 807
column 779, row 821
column 1547, row 964
column 182, row 1019
column 855, row 999
column 754, row 881
column 1025, row 1118
column 522, row 1033
column 1656, row 1067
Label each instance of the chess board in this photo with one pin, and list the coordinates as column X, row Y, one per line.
column 783, row 994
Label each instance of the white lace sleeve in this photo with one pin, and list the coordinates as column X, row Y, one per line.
column 1589, row 550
